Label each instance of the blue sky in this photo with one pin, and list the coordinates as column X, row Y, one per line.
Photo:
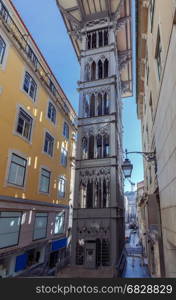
column 45, row 23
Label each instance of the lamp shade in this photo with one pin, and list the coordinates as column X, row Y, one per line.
column 127, row 168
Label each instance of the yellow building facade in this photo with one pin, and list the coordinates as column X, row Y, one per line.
column 37, row 130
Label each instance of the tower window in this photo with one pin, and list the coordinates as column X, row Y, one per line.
column 84, row 148
column 91, row 147
column 106, row 66
column 100, row 69
column 106, row 104
column 100, row 35
column 100, row 111
column 105, row 37
column 94, row 40
column 89, row 195
column 99, row 146
column 93, row 71
column 92, row 106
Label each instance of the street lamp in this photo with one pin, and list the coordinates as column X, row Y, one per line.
column 127, row 166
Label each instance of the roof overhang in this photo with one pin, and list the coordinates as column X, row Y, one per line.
column 78, row 13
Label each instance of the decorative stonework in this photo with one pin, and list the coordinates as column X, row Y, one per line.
column 95, row 130
column 92, row 174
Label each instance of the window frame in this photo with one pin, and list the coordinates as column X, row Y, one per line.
column 9, row 167
column 46, row 152
column 67, row 135
column 49, row 118
column 152, row 12
column 31, row 81
column 158, row 54
column 44, row 237
column 62, row 213
column 64, row 158
column 23, row 111
column 20, row 217
column 49, row 183
column 61, row 194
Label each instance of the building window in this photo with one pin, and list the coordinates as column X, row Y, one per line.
column 30, row 86
column 64, row 154
column 49, row 144
column 32, row 56
column 52, row 87
column 59, row 223
column 61, row 187
column 158, row 55
column 24, row 125
column 51, row 112
column 9, row 228
column 151, row 106
column 152, row 10
column 2, row 49
column 45, row 181
column 17, row 170
column 66, row 131
column 40, row 226
column 4, row 12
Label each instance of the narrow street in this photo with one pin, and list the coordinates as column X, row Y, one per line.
column 135, row 267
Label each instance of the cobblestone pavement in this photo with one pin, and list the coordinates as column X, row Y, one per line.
column 135, row 267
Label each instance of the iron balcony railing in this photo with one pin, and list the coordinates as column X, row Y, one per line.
column 21, row 40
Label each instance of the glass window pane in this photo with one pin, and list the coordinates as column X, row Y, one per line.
column 9, row 229
column 40, row 227
column 59, row 223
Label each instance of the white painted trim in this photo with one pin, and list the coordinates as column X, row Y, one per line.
column 40, row 171
column 31, row 73
column 18, row 106
column 8, row 45
column 43, row 152
column 22, row 155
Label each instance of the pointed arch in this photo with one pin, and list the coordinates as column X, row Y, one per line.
column 106, row 104
column 106, row 68
column 86, row 106
column 104, row 193
column 99, row 146
column 91, row 147
column 106, row 145
column 87, row 72
column 83, row 193
column 93, row 71
column 92, row 105
column 89, row 200
column 100, row 105
column 84, row 148
column 97, row 193
column 100, row 69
